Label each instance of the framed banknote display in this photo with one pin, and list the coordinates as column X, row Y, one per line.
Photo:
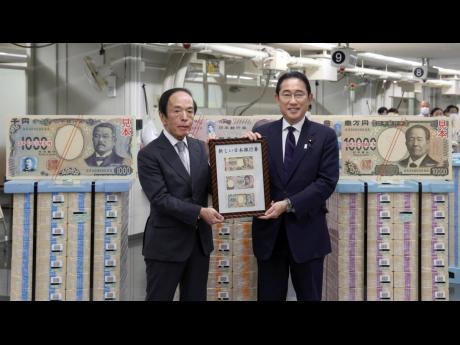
column 240, row 177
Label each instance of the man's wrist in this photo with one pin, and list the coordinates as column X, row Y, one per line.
column 289, row 205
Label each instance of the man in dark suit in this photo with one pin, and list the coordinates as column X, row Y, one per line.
column 292, row 236
column 175, row 175
column 104, row 140
column 418, row 144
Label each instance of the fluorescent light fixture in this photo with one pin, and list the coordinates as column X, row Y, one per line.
column 13, row 55
column 439, row 82
column 246, row 78
column 388, row 59
column 327, row 46
column 447, row 70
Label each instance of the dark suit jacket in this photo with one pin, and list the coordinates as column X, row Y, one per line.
column 112, row 159
column 312, row 178
column 175, row 199
column 427, row 162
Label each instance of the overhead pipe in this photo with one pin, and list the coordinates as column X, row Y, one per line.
column 182, row 70
column 292, row 61
column 438, row 82
column 226, row 50
column 447, row 71
column 388, row 60
column 306, row 46
column 298, row 61
column 250, row 50
column 370, row 71
column 170, row 73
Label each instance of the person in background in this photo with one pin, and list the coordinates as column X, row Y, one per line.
column 393, row 111
column 424, row 108
column 451, row 109
column 452, row 112
column 382, row 111
column 436, row 112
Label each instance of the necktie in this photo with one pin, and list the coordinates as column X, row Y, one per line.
column 289, row 148
column 183, row 155
column 99, row 160
column 412, row 165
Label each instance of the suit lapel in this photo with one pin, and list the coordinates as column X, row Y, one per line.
column 172, row 158
column 300, row 151
column 276, row 147
column 194, row 153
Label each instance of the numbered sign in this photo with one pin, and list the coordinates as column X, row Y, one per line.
column 420, row 72
column 343, row 57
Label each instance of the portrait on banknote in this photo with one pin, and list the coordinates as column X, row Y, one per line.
column 240, row 178
column 28, row 164
column 396, row 148
column 82, row 146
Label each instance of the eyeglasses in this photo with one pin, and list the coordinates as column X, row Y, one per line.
column 180, row 112
column 285, row 97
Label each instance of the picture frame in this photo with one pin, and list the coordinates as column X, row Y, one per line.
column 240, row 177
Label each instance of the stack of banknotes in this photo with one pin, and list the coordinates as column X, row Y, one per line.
column 435, row 281
column 22, row 246
column 343, row 271
column 233, row 267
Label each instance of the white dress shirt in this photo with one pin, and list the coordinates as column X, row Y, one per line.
column 417, row 162
column 298, row 128
column 174, row 141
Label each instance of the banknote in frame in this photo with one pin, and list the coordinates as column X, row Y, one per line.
column 240, row 177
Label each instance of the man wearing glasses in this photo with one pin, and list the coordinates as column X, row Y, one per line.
column 292, row 236
column 175, row 175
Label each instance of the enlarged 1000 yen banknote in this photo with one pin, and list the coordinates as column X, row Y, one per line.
column 409, row 146
column 241, row 200
column 42, row 147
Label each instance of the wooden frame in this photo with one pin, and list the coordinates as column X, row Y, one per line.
column 237, row 166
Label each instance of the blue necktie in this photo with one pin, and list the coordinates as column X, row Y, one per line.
column 289, row 148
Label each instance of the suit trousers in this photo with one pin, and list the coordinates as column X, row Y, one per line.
column 273, row 274
column 191, row 275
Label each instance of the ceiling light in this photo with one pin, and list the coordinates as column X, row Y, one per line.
column 13, row 55
column 388, row 59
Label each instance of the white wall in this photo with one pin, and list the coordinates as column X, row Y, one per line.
column 13, row 101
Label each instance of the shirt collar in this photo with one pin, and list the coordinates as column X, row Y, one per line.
column 418, row 161
column 173, row 140
column 104, row 155
column 297, row 126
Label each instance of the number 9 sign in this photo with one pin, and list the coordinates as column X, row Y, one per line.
column 338, row 57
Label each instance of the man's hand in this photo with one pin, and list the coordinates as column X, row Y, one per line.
column 252, row 135
column 211, row 216
column 275, row 210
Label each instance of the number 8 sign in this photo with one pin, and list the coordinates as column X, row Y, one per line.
column 419, row 72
